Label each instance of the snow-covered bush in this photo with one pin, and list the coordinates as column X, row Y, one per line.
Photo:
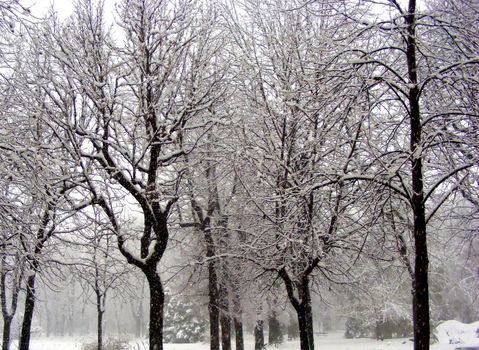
column 183, row 322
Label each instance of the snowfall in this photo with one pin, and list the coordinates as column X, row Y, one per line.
column 450, row 334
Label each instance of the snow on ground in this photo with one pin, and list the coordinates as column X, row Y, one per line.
column 458, row 333
column 446, row 332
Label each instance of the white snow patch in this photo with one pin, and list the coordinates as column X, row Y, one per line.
column 455, row 332
column 331, row 341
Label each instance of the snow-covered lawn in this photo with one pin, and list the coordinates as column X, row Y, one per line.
column 332, row 341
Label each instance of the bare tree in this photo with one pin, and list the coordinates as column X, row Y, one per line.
column 124, row 111
column 302, row 123
column 417, row 63
column 100, row 269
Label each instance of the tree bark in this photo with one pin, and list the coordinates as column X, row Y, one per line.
column 225, row 331
column 259, row 335
column 302, row 305
column 238, row 323
column 213, row 307
column 7, row 328
column 100, row 312
column 225, row 318
column 100, row 330
column 213, row 293
column 157, row 300
column 24, row 343
column 305, row 324
column 239, row 339
column 421, row 320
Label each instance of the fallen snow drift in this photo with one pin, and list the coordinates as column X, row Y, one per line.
column 455, row 332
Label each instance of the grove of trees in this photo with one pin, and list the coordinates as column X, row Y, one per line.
column 221, row 166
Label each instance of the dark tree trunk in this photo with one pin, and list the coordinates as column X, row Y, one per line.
column 239, row 339
column 238, row 323
column 100, row 330
column 157, row 300
column 7, row 328
column 225, row 331
column 309, row 321
column 224, row 285
column 303, row 331
column 420, row 284
column 305, row 317
column 213, row 293
column 24, row 343
column 303, row 310
column 100, row 312
column 214, row 320
column 259, row 335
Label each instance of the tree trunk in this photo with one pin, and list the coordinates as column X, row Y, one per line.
column 7, row 327
column 100, row 312
column 157, row 300
column 100, row 330
column 24, row 343
column 305, row 317
column 213, row 304
column 225, row 331
column 237, row 321
column 213, row 309
column 420, row 285
column 239, row 339
column 259, row 335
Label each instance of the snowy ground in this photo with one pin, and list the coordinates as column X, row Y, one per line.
column 332, row 341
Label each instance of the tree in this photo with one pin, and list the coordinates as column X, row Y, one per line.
column 211, row 192
column 100, row 269
column 12, row 270
column 38, row 182
column 417, row 64
column 295, row 135
column 123, row 113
